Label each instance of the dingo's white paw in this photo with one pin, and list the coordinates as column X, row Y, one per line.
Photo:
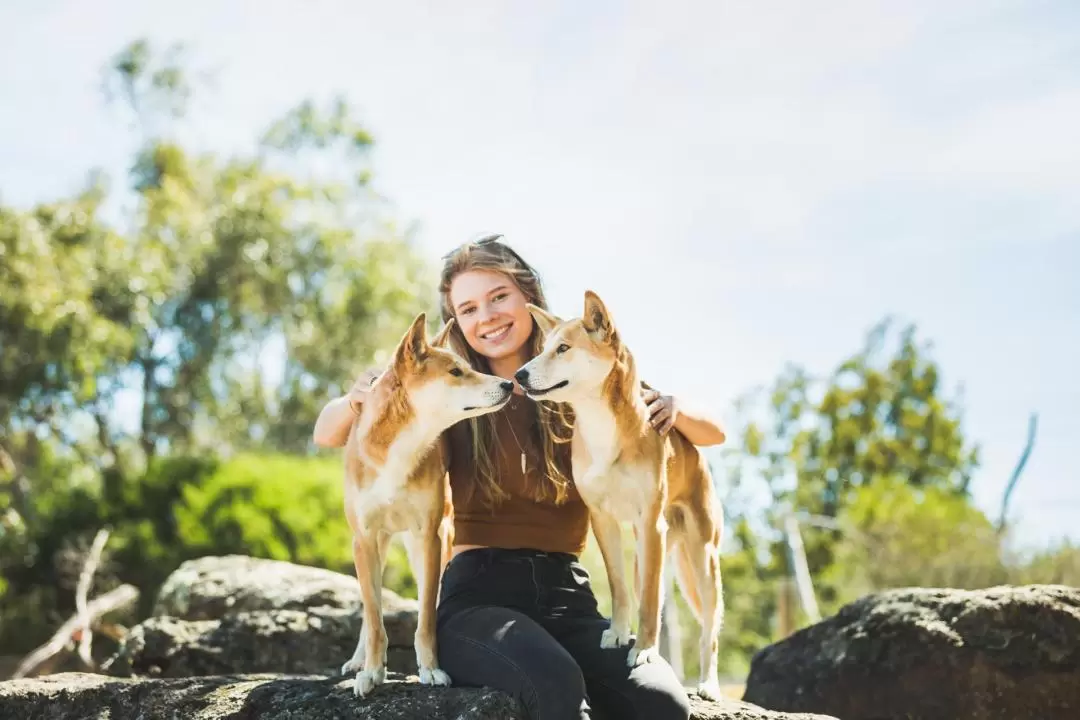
column 615, row 637
column 642, row 655
column 366, row 680
column 709, row 690
column 433, row 676
column 353, row 664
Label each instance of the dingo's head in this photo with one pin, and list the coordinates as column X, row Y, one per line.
column 577, row 357
column 439, row 385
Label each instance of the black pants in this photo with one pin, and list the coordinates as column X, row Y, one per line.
column 526, row 622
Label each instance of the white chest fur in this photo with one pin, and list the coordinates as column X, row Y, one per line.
column 388, row 502
column 603, row 477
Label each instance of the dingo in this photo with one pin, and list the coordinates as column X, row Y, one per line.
column 625, row 471
column 395, row 481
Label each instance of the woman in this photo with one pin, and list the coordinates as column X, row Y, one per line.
column 516, row 610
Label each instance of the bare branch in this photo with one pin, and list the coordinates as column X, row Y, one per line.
column 803, row 580
column 1033, row 426
column 113, row 600
column 86, row 578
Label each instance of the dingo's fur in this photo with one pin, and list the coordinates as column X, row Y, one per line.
column 625, row 471
column 395, row 481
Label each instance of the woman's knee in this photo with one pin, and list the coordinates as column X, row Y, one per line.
column 560, row 690
column 663, row 703
column 650, row 692
column 507, row 651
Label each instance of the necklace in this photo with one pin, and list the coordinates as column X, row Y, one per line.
column 521, row 447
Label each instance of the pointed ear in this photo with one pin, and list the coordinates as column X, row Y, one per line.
column 596, row 318
column 414, row 345
column 443, row 337
column 545, row 320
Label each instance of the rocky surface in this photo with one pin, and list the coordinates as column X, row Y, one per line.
column 317, row 640
column 72, row 696
column 237, row 614
column 237, row 637
column 1006, row 652
column 210, row 587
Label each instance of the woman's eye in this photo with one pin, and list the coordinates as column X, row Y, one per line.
column 500, row 296
column 457, row 372
column 467, row 311
column 561, row 349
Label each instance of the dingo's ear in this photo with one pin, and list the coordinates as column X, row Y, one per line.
column 443, row 337
column 596, row 318
column 414, row 345
column 545, row 320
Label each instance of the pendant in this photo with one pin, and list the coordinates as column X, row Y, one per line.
column 522, row 463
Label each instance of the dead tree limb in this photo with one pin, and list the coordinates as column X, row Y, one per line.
column 804, row 583
column 1033, row 426
column 86, row 579
column 113, row 600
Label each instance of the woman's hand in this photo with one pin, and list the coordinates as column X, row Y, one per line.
column 361, row 389
column 337, row 416
column 663, row 410
column 667, row 412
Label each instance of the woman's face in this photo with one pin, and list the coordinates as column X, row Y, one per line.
column 490, row 309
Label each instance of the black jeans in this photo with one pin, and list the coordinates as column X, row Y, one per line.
column 526, row 622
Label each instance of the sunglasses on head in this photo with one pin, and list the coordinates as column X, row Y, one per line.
column 493, row 239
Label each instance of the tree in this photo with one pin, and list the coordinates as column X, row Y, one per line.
column 879, row 417
column 898, row 535
column 231, row 299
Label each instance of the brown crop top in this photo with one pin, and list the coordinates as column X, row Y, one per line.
column 517, row 521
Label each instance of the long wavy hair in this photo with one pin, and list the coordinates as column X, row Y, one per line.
column 554, row 421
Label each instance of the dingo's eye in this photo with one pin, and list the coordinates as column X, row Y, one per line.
column 561, row 349
column 456, row 371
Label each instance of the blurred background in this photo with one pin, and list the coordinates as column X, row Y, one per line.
column 850, row 229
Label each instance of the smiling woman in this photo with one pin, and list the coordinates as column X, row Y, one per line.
column 493, row 317
column 516, row 608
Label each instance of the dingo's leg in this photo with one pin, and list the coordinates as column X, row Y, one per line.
column 652, row 537
column 609, row 538
column 424, row 549
column 368, row 554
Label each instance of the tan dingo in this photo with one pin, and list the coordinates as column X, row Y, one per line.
column 625, row 471
column 395, row 481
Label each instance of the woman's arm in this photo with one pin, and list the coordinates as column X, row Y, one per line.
column 666, row 412
column 335, row 420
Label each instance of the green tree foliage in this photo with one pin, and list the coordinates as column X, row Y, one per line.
column 897, row 534
column 209, row 305
column 881, row 416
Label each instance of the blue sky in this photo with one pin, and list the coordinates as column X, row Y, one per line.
column 777, row 178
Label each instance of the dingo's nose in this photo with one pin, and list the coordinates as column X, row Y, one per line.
column 506, row 385
column 521, row 376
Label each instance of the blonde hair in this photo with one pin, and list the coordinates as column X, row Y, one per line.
column 554, row 421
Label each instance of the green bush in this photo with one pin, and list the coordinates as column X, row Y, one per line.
column 279, row 507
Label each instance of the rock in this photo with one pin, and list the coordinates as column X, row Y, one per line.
column 79, row 695
column 210, row 587
column 317, row 640
column 1003, row 652
column 735, row 710
column 76, row 696
column 238, row 614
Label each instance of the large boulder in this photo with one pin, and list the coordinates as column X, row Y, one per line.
column 1003, row 652
column 238, row 614
column 76, row 696
column 71, row 696
column 317, row 640
column 211, row 587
